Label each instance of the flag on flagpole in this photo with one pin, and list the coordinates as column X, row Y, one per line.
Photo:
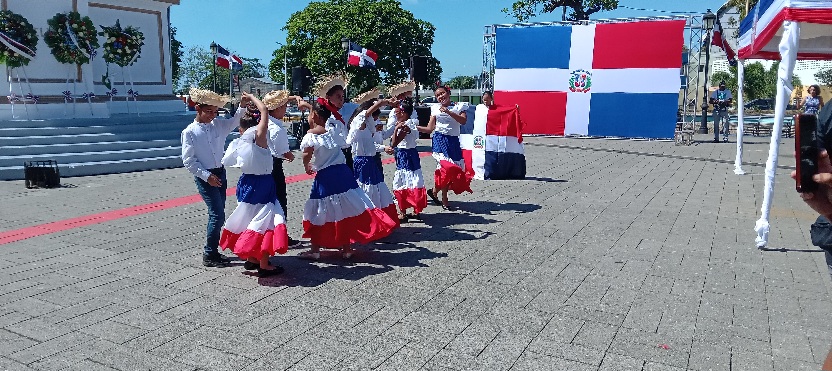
column 719, row 38
column 227, row 60
column 361, row 57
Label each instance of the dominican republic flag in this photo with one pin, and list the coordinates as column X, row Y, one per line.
column 720, row 39
column 759, row 29
column 492, row 143
column 361, row 57
column 227, row 60
column 606, row 79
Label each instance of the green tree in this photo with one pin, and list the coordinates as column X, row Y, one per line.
column 824, row 76
column 176, row 55
column 197, row 70
column 463, row 82
column 759, row 82
column 314, row 40
column 740, row 5
column 578, row 10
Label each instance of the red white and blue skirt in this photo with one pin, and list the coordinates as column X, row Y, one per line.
column 339, row 213
column 370, row 179
column 257, row 227
column 408, row 183
column 450, row 168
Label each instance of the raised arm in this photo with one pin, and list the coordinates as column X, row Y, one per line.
column 428, row 129
column 261, row 133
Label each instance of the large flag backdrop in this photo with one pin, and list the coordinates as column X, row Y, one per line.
column 604, row 79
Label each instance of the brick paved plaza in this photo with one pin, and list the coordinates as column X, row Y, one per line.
column 611, row 255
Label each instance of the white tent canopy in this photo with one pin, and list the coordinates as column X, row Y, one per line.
column 787, row 30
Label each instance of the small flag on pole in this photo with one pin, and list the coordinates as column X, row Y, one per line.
column 361, row 57
column 227, row 60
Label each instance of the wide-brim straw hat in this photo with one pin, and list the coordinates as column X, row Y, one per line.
column 366, row 96
column 405, row 87
column 328, row 82
column 275, row 98
column 202, row 96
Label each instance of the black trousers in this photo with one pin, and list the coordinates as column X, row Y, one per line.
column 279, row 182
column 348, row 156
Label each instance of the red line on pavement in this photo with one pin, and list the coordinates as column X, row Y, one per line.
column 82, row 221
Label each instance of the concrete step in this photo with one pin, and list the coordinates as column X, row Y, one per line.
column 101, row 167
column 39, row 140
column 82, row 157
column 113, row 120
column 86, row 147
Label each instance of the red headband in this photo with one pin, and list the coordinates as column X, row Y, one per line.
column 325, row 102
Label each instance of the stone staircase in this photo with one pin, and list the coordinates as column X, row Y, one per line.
column 91, row 146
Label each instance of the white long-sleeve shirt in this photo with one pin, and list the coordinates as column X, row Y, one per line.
column 203, row 144
column 278, row 138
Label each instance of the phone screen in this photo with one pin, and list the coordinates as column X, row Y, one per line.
column 807, row 151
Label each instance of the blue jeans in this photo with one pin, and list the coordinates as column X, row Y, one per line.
column 214, row 198
column 721, row 115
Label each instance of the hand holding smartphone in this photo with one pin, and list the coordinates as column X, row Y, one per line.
column 807, row 152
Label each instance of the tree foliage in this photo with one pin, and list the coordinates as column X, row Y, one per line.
column 463, row 82
column 579, row 10
column 759, row 82
column 176, row 55
column 197, row 70
column 314, row 40
column 740, row 5
column 824, row 76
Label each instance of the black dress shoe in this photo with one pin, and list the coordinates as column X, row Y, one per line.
column 434, row 198
column 269, row 272
column 214, row 261
column 250, row 266
column 293, row 243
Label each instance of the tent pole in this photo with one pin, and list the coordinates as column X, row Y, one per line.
column 788, row 55
column 740, row 117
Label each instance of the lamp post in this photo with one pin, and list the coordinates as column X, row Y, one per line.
column 708, row 24
column 214, row 64
column 285, row 64
column 345, row 44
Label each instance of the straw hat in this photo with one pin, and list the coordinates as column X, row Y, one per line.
column 365, row 96
column 407, row 86
column 275, row 98
column 208, row 97
column 328, row 82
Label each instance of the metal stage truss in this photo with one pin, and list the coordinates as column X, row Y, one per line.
column 693, row 63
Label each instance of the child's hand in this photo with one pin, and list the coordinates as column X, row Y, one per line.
column 388, row 150
column 309, row 169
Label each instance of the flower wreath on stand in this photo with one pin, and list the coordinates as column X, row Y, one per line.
column 122, row 46
column 18, row 43
column 72, row 38
column 18, row 39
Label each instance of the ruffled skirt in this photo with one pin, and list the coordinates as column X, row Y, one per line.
column 408, row 183
column 257, row 227
column 450, row 167
column 370, row 179
column 339, row 213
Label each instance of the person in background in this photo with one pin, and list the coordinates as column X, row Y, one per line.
column 721, row 99
column 276, row 102
column 813, row 102
column 202, row 150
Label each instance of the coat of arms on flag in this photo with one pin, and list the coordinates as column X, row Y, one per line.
column 361, row 57
column 598, row 79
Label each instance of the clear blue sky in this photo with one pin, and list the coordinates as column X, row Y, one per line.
column 251, row 28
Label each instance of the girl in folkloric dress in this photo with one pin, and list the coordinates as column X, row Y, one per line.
column 408, row 183
column 338, row 213
column 256, row 229
column 445, row 121
column 364, row 148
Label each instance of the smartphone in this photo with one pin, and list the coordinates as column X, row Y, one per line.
column 807, row 151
